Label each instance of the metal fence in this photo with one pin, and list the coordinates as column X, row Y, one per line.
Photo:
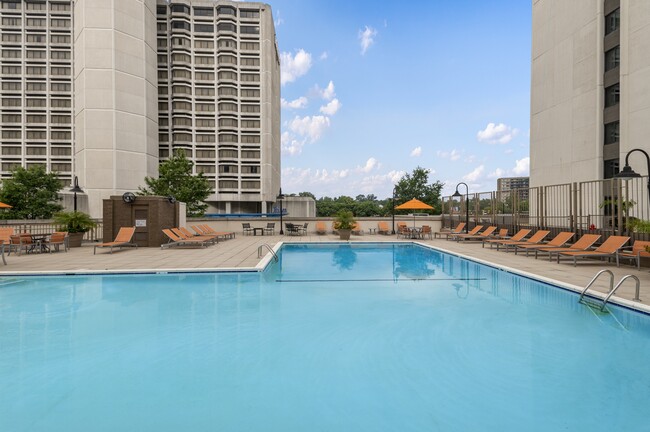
column 606, row 207
column 48, row 226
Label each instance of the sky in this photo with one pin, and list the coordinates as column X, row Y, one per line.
column 371, row 90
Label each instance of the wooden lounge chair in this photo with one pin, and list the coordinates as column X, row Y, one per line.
column 209, row 238
column 535, row 239
column 519, row 236
column 321, row 228
column 636, row 252
column 558, row 241
column 189, row 234
column 383, row 228
column 223, row 235
column 583, row 243
column 122, row 239
column 502, row 234
column 480, row 237
column 175, row 240
column 473, row 231
column 609, row 249
column 459, row 229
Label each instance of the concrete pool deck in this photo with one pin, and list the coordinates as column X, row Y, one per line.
column 242, row 252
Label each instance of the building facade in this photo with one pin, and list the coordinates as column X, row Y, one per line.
column 106, row 90
column 590, row 98
column 506, row 185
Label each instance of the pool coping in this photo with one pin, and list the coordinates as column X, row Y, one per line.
column 268, row 257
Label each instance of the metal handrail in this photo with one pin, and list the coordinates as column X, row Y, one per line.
column 259, row 251
column 611, row 282
column 611, row 293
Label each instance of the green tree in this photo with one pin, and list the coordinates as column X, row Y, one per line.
column 175, row 179
column 32, row 193
column 416, row 185
column 307, row 194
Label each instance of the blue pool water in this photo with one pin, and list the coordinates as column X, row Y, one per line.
column 349, row 338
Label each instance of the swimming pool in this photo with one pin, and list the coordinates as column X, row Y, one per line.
column 346, row 338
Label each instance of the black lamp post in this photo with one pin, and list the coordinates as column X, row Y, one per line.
column 76, row 189
column 394, row 209
column 457, row 195
column 628, row 172
column 280, row 197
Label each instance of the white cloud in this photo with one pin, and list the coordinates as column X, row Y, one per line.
column 293, row 67
column 278, row 19
column 311, row 127
column 371, row 165
column 508, row 151
column 324, row 55
column 290, row 145
column 366, row 38
column 497, row 173
column 453, row 155
column 299, row 103
column 497, row 134
column 522, row 167
column 416, row 152
column 331, row 108
column 327, row 93
column 474, row 175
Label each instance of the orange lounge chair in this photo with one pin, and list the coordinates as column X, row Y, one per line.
column 535, row 239
column 583, row 243
column 189, row 234
column 519, row 236
column 502, row 234
column 356, row 229
column 223, row 235
column 482, row 236
column 473, row 231
column 383, row 228
column 637, row 252
column 206, row 238
column 459, row 229
column 609, row 249
column 122, row 239
column 321, row 228
column 175, row 240
column 558, row 241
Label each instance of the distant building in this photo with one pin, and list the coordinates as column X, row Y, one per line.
column 507, row 184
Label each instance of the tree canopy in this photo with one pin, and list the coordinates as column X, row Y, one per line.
column 416, row 185
column 32, row 193
column 175, row 179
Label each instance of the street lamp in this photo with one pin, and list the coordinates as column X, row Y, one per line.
column 76, row 189
column 280, row 197
column 628, row 172
column 394, row 209
column 457, row 195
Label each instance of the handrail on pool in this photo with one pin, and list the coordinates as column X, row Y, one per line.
column 259, row 251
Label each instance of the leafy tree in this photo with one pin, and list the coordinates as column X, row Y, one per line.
column 416, row 185
column 307, row 194
column 32, row 193
column 175, row 179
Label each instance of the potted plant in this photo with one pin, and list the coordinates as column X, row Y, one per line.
column 343, row 223
column 76, row 223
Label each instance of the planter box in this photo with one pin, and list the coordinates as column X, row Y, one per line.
column 74, row 239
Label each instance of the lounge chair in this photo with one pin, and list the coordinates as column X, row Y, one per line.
column 609, row 249
column 383, row 228
column 519, row 236
column 186, row 235
column 356, row 229
column 459, row 229
column 321, row 228
column 57, row 239
column 636, row 252
column 502, row 234
column 122, row 239
column 558, row 241
column 473, row 231
column 175, row 240
column 583, row 243
column 223, row 235
column 535, row 239
column 481, row 236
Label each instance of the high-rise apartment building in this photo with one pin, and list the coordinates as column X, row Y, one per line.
column 106, row 90
column 505, row 185
column 590, row 99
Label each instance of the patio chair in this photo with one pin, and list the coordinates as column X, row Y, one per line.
column 122, row 239
column 636, row 252
column 558, row 241
column 270, row 228
column 20, row 242
column 175, row 240
column 426, row 232
column 247, row 229
column 609, row 249
column 459, row 229
column 535, row 239
column 583, row 243
column 481, row 236
column 356, row 229
column 473, row 231
column 302, row 229
column 57, row 239
column 519, row 236
column 403, row 231
column 291, row 229
column 383, row 228
column 5, row 234
column 321, row 228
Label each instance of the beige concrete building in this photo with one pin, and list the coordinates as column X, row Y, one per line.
column 105, row 89
column 590, row 94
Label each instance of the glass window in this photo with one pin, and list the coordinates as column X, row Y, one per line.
column 226, row 10
column 250, row 29
column 204, row 28
column 612, row 21
column 612, row 58
column 226, row 27
column 611, row 132
column 198, row 11
column 250, row 46
column 611, row 168
column 612, row 95
column 249, row 13
column 181, row 25
column 161, row 10
column 180, row 9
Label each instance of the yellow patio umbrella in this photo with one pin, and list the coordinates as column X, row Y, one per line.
column 414, row 204
column 3, row 205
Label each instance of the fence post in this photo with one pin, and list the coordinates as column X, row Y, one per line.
column 620, row 207
column 573, row 205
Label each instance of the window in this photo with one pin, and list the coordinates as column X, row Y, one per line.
column 184, row 58
column 11, row 86
column 250, row 154
column 35, row 22
column 228, row 154
column 180, row 9
column 199, row 60
column 61, row 103
column 249, row 169
column 58, row 167
column 36, row 103
column 60, row 55
column 228, row 107
column 182, row 106
column 60, row 39
column 612, row 58
column 204, row 44
column 205, row 169
column 247, row 77
column 11, row 5
column 227, row 75
column 612, row 95
column 181, row 25
column 250, row 62
column 228, row 123
column 204, row 28
column 203, row 11
column 250, row 185
column 36, row 135
column 205, row 138
column 229, row 169
column 179, row 89
column 161, row 27
column 162, row 106
column 223, row 184
column 60, row 119
column 226, row 10
column 11, row 22
column 182, row 121
column 60, row 7
column 11, row 151
column 163, row 137
column 11, row 102
column 611, row 169
column 161, row 10
column 228, row 43
column 36, row 119
column 205, row 154
column 60, row 151
column 186, row 137
column 201, row 107
column 249, row 14
column 250, row 93
column 612, row 21
column 204, row 91
column 182, row 73
column 65, row 71
column 250, row 108
column 250, row 139
column 10, row 166
column 227, row 91
column 12, row 54
column 35, row 6
column 60, row 23
column 11, row 134
column 204, row 76
column 161, row 43
column 11, row 70
column 250, row 124
column 36, row 38
column 611, row 133
column 35, row 70
column 227, row 138
column 227, row 27
column 250, row 46
column 227, row 59
column 36, row 151
column 36, row 87
column 204, row 122
column 249, row 30
column 11, row 37
column 60, row 135
column 163, row 153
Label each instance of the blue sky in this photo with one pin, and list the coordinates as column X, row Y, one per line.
column 372, row 90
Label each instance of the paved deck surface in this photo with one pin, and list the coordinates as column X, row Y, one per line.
column 243, row 252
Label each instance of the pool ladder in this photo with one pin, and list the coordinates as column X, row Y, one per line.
column 612, row 288
column 259, row 251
